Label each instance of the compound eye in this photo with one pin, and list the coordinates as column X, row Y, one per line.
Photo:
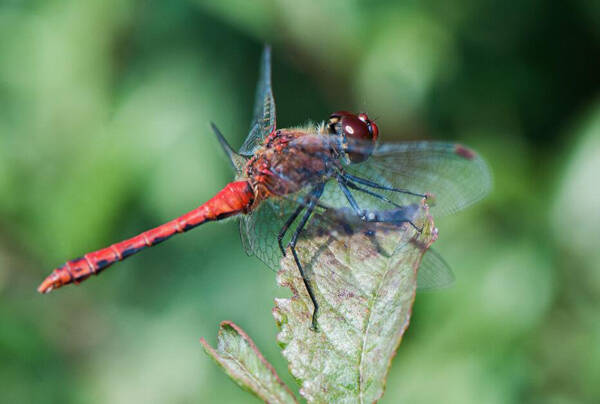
column 357, row 134
column 363, row 117
column 355, row 128
column 339, row 114
column 336, row 117
column 373, row 129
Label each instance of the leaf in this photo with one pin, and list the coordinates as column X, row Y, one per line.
column 365, row 284
column 237, row 354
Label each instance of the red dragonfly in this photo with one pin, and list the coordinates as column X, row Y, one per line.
column 283, row 175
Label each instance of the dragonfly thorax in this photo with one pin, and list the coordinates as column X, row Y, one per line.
column 290, row 160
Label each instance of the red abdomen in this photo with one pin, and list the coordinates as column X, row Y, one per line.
column 235, row 198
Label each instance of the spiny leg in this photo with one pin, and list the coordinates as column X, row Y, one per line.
column 369, row 216
column 286, row 226
column 315, row 195
column 383, row 198
column 291, row 219
column 376, row 185
column 352, row 185
column 359, row 212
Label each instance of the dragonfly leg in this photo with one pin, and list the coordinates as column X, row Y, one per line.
column 371, row 216
column 360, row 212
column 376, row 185
column 352, row 185
column 315, row 195
column 286, row 226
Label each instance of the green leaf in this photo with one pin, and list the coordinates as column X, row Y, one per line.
column 237, row 354
column 365, row 283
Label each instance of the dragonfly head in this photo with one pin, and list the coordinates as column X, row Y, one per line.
column 357, row 134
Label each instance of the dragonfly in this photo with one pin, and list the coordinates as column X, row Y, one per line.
column 284, row 176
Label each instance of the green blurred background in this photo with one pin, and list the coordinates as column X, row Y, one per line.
column 104, row 112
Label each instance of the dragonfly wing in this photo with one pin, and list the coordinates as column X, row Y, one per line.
column 452, row 175
column 434, row 272
column 263, row 120
column 259, row 230
column 455, row 176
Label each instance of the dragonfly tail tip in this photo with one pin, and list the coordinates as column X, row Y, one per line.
column 48, row 285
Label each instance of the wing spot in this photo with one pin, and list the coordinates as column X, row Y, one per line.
column 464, row 152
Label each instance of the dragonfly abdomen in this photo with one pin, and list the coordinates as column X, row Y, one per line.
column 237, row 197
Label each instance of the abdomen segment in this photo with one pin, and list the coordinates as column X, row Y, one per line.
column 235, row 198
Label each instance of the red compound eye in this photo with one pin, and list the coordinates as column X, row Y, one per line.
column 373, row 129
column 357, row 130
column 363, row 117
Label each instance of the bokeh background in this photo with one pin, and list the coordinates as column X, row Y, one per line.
column 104, row 114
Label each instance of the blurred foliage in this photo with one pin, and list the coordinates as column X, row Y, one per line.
column 104, row 111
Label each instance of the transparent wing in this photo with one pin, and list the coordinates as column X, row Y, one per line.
column 259, row 229
column 453, row 175
column 263, row 120
column 434, row 273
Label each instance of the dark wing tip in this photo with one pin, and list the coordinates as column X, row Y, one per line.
column 479, row 169
column 464, row 152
